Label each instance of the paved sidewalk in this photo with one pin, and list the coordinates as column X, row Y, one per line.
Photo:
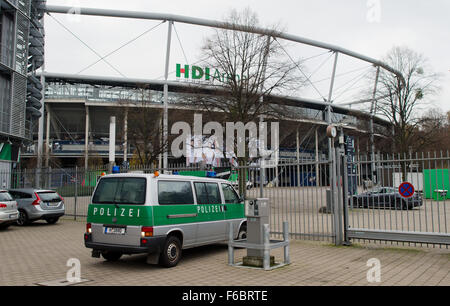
column 39, row 253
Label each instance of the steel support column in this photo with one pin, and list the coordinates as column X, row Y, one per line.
column 125, row 137
column 332, row 159
column 372, row 114
column 41, row 126
column 86, row 140
column 47, row 137
column 166, row 99
column 262, row 169
column 318, row 176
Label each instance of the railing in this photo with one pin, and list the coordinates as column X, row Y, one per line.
column 365, row 203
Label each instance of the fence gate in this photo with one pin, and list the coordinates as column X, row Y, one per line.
column 379, row 210
column 298, row 194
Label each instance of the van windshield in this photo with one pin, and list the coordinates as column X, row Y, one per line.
column 120, row 190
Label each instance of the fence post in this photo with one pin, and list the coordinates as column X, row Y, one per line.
column 266, row 258
column 336, row 195
column 76, row 193
column 287, row 259
column 345, row 189
column 230, row 247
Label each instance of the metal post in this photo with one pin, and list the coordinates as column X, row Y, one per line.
column 262, row 143
column 76, row 194
column 112, row 142
column 125, row 137
column 47, row 148
column 262, row 169
column 330, row 93
column 230, row 247
column 266, row 262
column 47, row 138
column 160, row 143
column 337, row 199
column 166, row 97
column 86, row 140
column 332, row 158
column 287, row 259
column 372, row 114
column 318, row 176
column 297, row 141
column 41, row 125
column 345, row 189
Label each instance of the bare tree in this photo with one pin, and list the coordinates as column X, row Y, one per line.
column 144, row 127
column 246, row 69
column 251, row 66
column 433, row 131
column 402, row 103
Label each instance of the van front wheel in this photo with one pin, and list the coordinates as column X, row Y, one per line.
column 242, row 235
column 171, row 253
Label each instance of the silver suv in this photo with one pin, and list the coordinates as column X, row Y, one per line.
column 37, row 204
column 8, row 210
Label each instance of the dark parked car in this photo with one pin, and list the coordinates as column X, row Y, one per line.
column 385, row 197
column 37, row 204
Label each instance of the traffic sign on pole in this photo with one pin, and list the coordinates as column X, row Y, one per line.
column 406, row 190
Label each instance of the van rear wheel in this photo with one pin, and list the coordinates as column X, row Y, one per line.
column 171, row 253
column 111, row 256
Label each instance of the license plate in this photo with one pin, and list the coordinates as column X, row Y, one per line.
column 51, row 204
column 115, row 230
column 13, row 216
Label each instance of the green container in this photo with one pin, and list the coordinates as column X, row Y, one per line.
column 433, row 180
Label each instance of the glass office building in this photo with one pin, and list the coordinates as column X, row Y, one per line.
column 21, row 55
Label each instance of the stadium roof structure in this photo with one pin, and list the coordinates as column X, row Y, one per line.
column 184, row 87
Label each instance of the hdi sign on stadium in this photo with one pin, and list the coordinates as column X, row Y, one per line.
column 205, row 74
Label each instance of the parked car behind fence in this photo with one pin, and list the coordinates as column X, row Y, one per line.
column 385, row 197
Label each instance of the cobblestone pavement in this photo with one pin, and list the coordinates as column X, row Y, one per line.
column 39, row 253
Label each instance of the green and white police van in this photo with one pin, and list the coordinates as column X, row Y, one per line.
column 160, row 215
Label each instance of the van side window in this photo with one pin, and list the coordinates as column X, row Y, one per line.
column 207, row 193
column 229, row 194
column 175, row 193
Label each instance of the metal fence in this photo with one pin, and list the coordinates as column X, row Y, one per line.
column 384, row 211
column 359, row 201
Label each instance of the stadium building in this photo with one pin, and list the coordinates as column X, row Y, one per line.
column 63, row 120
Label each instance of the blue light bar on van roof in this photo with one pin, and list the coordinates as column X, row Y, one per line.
column 211, row 174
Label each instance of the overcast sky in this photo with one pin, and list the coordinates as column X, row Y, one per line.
column 357, row 25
